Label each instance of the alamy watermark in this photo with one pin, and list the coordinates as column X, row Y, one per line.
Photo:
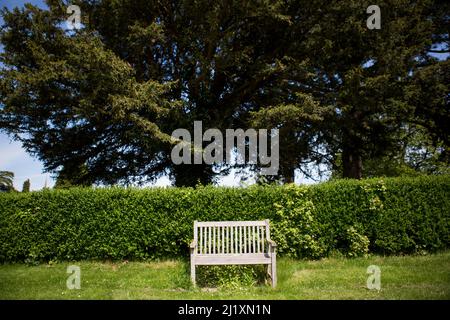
column 374, row 20
column 255, row 141
column 74, row 280
column 74, row 20
column 374, row 279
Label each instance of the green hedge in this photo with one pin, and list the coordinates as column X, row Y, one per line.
column 392, row 215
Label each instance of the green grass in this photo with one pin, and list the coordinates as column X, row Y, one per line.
column 402, row 277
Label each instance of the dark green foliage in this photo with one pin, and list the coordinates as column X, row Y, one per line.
column 6, row 181
column 97, row 105
column 108, row 96
column 396, row 215
column 81, row 102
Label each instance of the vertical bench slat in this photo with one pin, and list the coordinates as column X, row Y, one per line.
column 206, row 240
column 230, row 236
column 227, row 242
column 200, row 240
column 231, row 239
column 214, row 240
column 209, row 240
column 223, row 251
column 203, row 241
column 236, row 234
column 250, row 239
column 232, row 242
column 237, row 240
column 258, row 234
column 253, row 236
column 263, row 237
column 219, row 240
column 261, row 240
column 249, row 234
column 240, row 239
column 245, row 239
column 257, row 239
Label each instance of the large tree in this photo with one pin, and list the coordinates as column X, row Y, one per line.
column 86, row 98
column 370, row 82
column 222, row 55
column 73, row 103
column 97, row 105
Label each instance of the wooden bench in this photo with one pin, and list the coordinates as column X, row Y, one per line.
column 233, row 242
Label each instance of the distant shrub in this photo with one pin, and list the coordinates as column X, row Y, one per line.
column 358, row 244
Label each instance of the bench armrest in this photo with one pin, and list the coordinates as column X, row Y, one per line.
column 272, row 243
column 193, row 244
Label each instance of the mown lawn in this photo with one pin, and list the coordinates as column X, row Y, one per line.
column 405, row 277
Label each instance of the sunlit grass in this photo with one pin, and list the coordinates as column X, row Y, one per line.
column 405, row 277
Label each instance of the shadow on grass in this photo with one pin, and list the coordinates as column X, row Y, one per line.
column 231, row 276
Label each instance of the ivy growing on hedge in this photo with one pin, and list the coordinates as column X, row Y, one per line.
column 388, row 216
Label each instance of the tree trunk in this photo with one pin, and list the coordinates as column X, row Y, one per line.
column 288, row 175
column 190, row 175
column 352, row 163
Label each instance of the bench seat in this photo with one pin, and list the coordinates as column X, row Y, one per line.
column 223, row 259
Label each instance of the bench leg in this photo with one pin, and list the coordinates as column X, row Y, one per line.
column 273, row 271
column 193, row 272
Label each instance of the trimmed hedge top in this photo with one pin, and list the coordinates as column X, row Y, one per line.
column 391, row 215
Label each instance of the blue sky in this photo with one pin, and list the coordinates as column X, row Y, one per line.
column 19, row 3
column 14, row 158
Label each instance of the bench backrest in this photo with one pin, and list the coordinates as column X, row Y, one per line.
column 231, row 237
